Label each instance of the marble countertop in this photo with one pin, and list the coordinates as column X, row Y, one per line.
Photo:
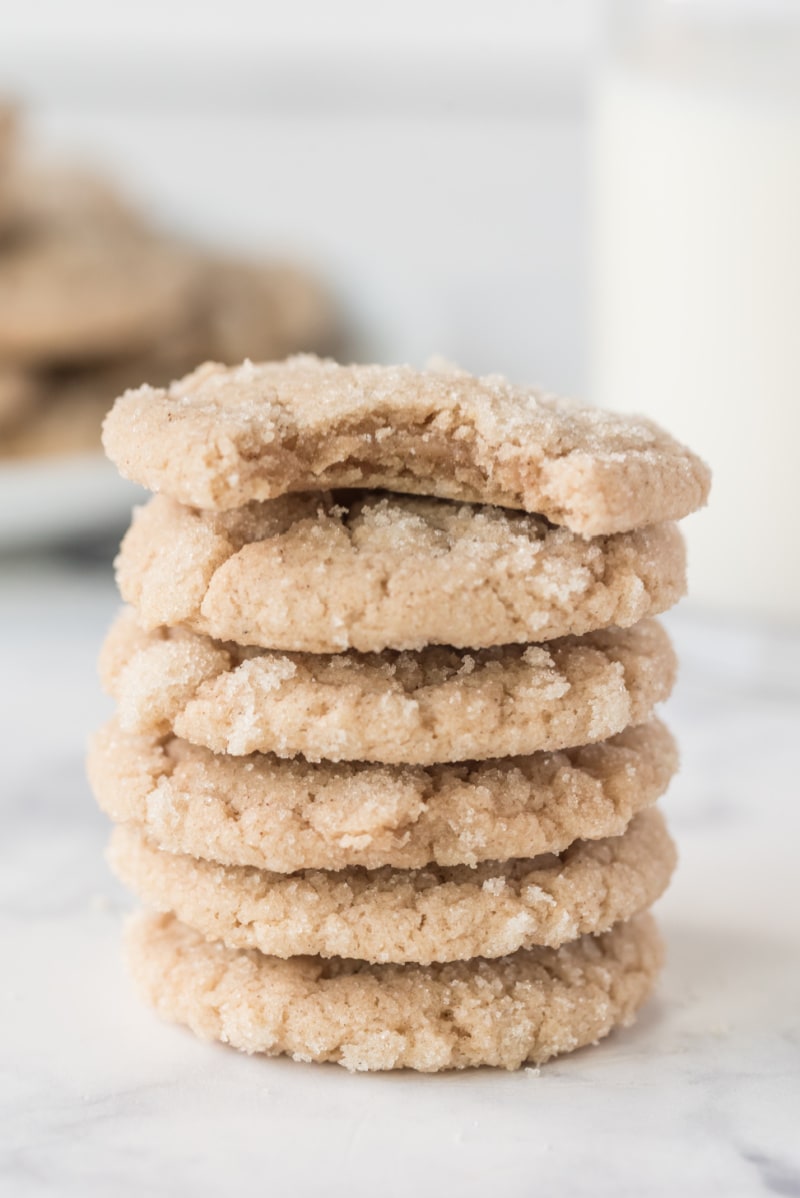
column 701, row 1097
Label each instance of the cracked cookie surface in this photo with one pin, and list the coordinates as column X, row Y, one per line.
column 435, row 914
column 435, row 705
column 285, row 815
column 320, row 573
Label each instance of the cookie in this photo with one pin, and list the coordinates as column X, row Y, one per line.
column 285, row 816
column 440, row 913
column 18, row 396
column 220, row 438
column 320, row 573
column 67, row 298
column 526, row 1007
column 439, row 704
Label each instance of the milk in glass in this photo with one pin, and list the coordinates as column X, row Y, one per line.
column 696, row 272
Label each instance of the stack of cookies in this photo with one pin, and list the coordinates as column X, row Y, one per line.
column 93, row 299
column 385, row 759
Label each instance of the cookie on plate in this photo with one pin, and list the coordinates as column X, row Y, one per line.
column 67, row 298
column 438, row 704
column 285, row 815
column 526, row 1007
column 320, row 573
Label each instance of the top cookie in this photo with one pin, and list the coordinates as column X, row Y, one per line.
column 222, row 437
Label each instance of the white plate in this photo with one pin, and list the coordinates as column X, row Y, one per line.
column 55, row 499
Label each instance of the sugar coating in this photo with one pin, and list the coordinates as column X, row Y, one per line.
column 439, row 913
column 527, row 1007
column 321, row 573
column 287, row 815
column 222, row 437
column 66, row 297
column 438, row 704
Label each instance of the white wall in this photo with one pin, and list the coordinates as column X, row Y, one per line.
column 428, row 156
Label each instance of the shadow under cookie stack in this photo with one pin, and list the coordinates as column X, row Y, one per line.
column 385, row 759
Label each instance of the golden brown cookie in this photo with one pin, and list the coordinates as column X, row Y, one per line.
column 319, row 573
column 286, row 815
column 526, row 1007
column 440, row 913
column 439, row 704
column 222, row 437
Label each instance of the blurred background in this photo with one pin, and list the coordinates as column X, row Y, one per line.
column 600, row 198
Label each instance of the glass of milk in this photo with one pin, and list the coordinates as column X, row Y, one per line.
column 696, row 271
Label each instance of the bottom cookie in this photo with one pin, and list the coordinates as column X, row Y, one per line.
column 526, row 1007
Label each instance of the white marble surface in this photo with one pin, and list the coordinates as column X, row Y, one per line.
column 702, row 1097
